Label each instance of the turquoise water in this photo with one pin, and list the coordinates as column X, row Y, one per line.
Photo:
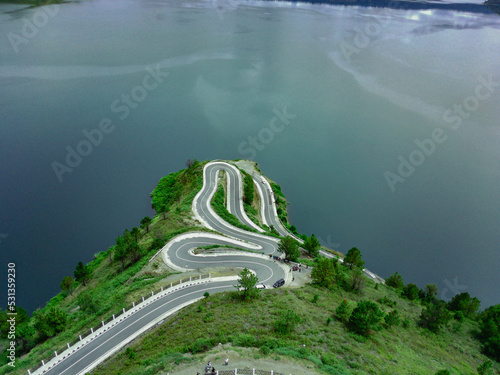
column 330, row 101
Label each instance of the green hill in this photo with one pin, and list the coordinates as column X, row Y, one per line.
column 332, row 321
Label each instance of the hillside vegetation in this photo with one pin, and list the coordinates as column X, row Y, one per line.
column 337, row 322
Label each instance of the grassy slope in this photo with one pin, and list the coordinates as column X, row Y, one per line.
column 114, row 288
column 393, row 351
column 330, row 348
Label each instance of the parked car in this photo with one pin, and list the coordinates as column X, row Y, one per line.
column 279, row 283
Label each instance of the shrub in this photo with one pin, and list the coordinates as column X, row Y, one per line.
column 392, row 318
column 395, row 281
column 130, row 353
column 201, row 345
column 410, row 291
column 343, row 311
column 365, row 317
column 434, row 316
column 387, row 301
column 490, row 332
column 486, row 368
column 287, row 322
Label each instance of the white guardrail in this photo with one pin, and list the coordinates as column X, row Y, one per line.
column 90, row 335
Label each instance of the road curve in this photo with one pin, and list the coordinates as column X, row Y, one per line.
column 178, row 254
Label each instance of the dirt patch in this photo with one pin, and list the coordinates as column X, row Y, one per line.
column 301, row 278
column 244, row 358
column 248, row 166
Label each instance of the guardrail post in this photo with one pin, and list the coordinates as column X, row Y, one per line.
column 272, row 372
column 91, row 330
column 171, row 285
column 29, row 372
column 142, row 299
column 55, row 352
column 162, row 289
column 114, row 317
column 253, row 371
column 102, row 322
column 152, row 294
column 189, row 278
column 235, row 371
column 80, row 337
column 200, row 277
column 124, row 310
column 133, row 304
column 43, row 363
column 67, row 344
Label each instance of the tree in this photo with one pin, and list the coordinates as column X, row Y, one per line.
column 312, row 245
column 429, row 294
column 410, row 291
column 67, row 285
column 157, row 244
column 145, row 223
column 353, row 259
column 134, row 251
column 287, row 322
column 365, row 317
column 343, row 311
column 357, row 281
column 82, row 273
column 121, row 252
column 246, row 284
column 25, row 338
column 434, row 316
column 395, row 280
column 464, row 303
column 49, row 322
column 325, row 272
column 135, row 233
column 290, row 248
column 489, row 334
column 431, row 290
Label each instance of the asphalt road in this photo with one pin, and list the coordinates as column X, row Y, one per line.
column 103, row 346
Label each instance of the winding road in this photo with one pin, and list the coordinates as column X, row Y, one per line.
column 178, row 254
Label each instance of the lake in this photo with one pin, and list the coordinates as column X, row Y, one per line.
column 381, row 126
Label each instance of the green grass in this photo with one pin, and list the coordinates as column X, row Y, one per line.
column 219, row 206
column 114, row 288
column 329, row 347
